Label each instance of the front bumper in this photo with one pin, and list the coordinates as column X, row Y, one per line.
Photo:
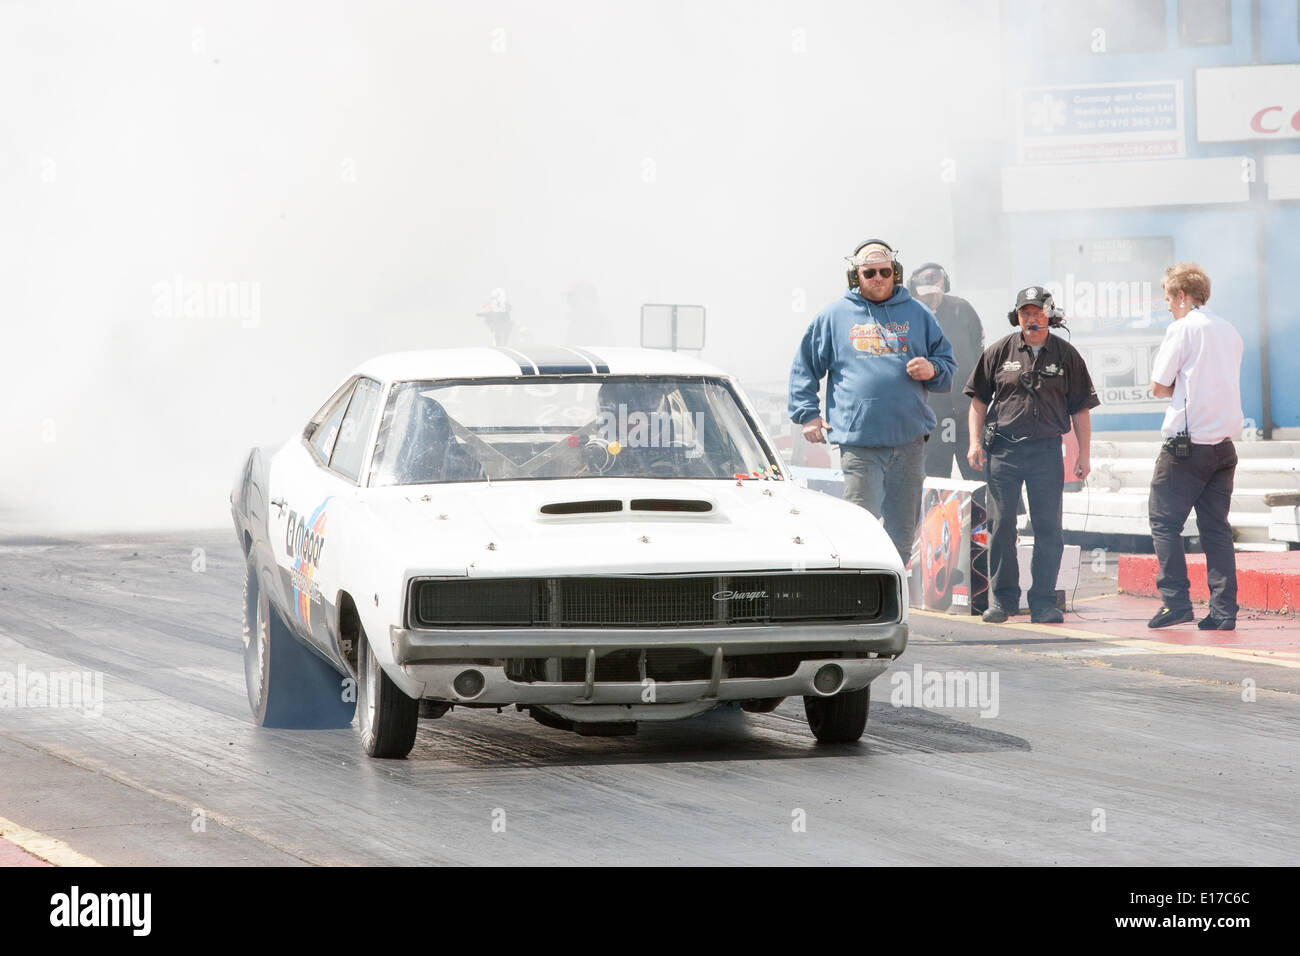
column 428, row 646
column 499, row 690
column 436, row 658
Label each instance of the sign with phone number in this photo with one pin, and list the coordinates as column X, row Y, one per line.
column 1099, row 122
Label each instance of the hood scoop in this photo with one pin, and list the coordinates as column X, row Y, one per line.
column 601, row 506
column 693, row 505
column 608, row 505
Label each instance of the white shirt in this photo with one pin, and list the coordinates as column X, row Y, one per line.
column 1201, row 357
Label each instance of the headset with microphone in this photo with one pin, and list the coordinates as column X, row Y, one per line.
column 1055, row 316
column 893, row 258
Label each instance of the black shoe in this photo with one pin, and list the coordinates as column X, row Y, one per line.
column 995, row 615
column 1165, row 617
column 1212, row 623
column 1047, row 615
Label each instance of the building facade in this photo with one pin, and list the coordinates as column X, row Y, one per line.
column 1142, row 133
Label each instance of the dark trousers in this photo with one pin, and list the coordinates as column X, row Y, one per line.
column 1203, row 481
column 954, row 426
column 1038, row 466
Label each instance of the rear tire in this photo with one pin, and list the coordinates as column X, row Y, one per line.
column 841, row 719
column 289, row 686
column 387, row 717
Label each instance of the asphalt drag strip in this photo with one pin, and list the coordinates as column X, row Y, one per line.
column 989, row 745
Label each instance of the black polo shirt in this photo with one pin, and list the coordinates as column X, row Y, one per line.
column 1031, row 398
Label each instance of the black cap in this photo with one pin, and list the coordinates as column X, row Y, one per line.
column 1032, row 295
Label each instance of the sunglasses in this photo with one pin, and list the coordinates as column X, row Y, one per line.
column 871, row 273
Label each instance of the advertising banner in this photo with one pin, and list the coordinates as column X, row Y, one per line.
column 949, row 567
column 1115, row 309
column 1238, row 103
column 1101, row 122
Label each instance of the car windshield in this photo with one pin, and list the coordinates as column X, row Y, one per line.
column 570, row 427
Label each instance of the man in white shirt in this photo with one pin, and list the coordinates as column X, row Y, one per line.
column 1199, row 368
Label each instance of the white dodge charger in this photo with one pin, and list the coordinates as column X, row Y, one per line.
column 598, row 539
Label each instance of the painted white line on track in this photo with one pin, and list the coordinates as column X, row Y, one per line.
column 39, row 845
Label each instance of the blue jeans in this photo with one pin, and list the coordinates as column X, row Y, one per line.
column 887, row 480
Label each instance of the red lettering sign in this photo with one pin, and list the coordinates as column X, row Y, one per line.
column 1257, row 121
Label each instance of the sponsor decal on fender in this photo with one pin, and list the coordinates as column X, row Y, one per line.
column 304, row 540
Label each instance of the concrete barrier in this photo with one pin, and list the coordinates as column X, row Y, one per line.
column 1265, row 582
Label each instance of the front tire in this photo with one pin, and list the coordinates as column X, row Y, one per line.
column 387, row 717
column 841, row 719
column 289, row 687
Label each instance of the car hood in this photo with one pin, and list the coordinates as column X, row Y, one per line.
column 501, row 529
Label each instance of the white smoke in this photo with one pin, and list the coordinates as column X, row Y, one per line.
column 212, row 212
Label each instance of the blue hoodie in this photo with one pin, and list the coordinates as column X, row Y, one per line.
column 864, row 348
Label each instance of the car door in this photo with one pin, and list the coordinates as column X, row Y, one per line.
column 309, row 480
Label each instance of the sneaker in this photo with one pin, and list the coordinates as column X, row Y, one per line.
column 1165, row 617
column 1047, row 615
column 995, row 615
column 1212, row 623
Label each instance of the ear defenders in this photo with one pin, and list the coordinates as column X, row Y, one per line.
column 898, row 267
column 911, row 283
column 1055, row 316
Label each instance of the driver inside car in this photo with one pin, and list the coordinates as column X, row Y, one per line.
column 641, row 427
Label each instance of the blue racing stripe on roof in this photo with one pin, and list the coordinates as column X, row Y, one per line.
column 597, row 362
column 552, row 360
column 525, row 366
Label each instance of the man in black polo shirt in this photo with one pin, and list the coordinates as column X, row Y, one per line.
column 1029, row 387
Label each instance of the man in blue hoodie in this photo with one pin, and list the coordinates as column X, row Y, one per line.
column 880, row 351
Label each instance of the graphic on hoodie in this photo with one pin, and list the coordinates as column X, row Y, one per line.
column 874, row 339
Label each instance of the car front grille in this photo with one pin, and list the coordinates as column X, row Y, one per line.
column 690, row 601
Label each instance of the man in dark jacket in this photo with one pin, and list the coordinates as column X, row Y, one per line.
column 961, row 326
